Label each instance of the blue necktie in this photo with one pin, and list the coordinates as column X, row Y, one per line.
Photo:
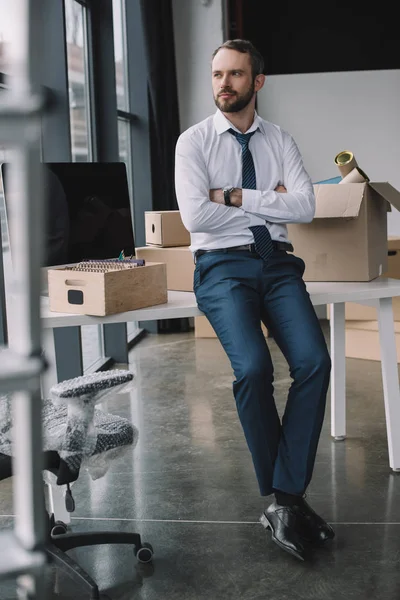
column 262, row 238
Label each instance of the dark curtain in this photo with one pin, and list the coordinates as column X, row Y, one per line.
column 163, row 99
column 366, row 39
column 163, row 113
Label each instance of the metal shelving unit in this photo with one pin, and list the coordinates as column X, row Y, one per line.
column 21, row 109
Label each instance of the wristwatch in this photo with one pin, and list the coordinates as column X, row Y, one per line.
column 227, row 195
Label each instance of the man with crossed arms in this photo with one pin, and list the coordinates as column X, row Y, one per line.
column 239, row 180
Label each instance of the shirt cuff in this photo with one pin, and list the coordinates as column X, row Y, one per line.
column 250, row 200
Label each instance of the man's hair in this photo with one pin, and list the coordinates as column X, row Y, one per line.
column 246, row 47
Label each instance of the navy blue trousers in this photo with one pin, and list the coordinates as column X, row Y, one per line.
column 236, row 290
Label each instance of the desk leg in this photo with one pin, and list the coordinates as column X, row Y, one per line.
column 338, row 378
column 390, row 377
column 49, row 377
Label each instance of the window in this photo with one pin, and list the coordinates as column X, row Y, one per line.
column 124, row 143
column 125, row 117
column 8, row 18
column 78, row 80
column 5, row 156
column 120, row 53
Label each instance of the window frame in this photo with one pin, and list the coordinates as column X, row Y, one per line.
column 89, row 104
column 126, row 116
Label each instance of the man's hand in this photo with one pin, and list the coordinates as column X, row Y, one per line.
column 217, row 196
column 235, row 197
column 280, row 188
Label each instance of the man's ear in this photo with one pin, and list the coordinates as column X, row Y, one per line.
column 259, row 82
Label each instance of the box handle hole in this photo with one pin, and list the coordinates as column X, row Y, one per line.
column 75, row 297
column 75, row 282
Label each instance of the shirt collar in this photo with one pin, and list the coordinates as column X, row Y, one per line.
column 222, row 124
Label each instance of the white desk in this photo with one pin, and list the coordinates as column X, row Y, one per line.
column 183, row 304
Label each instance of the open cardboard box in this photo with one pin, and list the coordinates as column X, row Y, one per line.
column 347, row 240
column 101, row 294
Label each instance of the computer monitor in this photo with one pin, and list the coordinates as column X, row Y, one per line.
column 88, row 213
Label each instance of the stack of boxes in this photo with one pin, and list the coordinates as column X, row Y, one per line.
column 167, row 241
column 362, row 334
column 347, row 241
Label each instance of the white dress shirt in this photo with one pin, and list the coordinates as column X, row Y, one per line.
column 209, row 157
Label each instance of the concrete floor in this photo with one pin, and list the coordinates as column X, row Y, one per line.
column 189, row 489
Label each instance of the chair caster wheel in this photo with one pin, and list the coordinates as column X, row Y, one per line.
column 59, row 528
column 145, row 553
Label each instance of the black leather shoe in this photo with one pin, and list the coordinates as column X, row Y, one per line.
column 319, row 530
column 285, row 525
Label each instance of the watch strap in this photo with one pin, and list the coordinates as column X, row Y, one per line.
column 227, row 196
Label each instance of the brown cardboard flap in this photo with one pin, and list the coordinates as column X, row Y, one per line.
column 388, row 192
column 333, row 201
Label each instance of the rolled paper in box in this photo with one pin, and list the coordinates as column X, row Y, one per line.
column 355, row 176
column 346, row 162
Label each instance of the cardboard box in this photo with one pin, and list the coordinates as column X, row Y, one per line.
column 204, row 329
column 393, row 257
column 102, row 294
column 360, row 312
column 362, row 340
column 165, row 228
column 179, row 261
column 347, row 240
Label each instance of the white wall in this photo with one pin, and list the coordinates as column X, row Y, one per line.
column 330, row 112
column 198, row 32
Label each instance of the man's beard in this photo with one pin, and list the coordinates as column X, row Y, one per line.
column 229, row 106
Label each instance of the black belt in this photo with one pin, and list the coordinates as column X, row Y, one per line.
column 247, row 247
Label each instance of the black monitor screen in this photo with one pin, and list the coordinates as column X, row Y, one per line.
column 88, row 211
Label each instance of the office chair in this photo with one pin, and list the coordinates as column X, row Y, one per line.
column 109, row 432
